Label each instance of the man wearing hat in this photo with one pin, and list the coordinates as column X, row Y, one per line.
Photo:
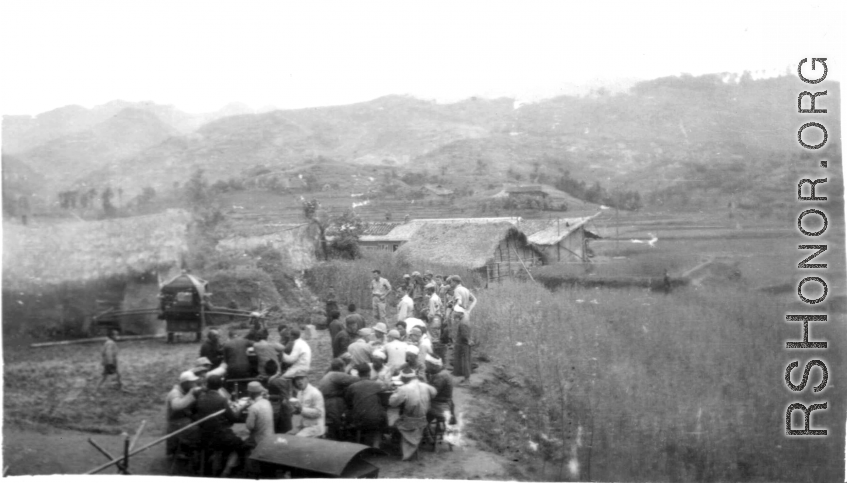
column 378, row 337
column 413, row 363
column 260, row 415
column 442, row 403
column 310, row 406
column 201, row 370
column 180, row 406
column 216, row 433
column 395, row 350
column 380, row 288
column 360, row 349
column 414, row 396
column 380, row 371
column 366, row 412
column 300, row 358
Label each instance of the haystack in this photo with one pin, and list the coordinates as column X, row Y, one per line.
column 39, row 256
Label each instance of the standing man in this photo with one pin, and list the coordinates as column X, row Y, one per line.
column 331, row 304
column 109, row 356
column 442, row 403
column 355, row 317
column 342, row 340
column 300, row 357
column 406, row 307
column 462, row 346
column 212, row 349
column 310, row 406
column 260, row 415
column 417, row 293
column 336, row 325
column 423, row 343
column 380, row 289
column 435, row 310
column 463, row 297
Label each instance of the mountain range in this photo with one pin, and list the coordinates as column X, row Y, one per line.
column 661, row 133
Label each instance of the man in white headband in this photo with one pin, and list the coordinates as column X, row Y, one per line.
column 413, row 363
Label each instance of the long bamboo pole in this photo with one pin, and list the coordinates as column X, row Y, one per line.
column 93, row 340
column 137, row 435
column 154, row 443
column 108, row 456
column 524, row 265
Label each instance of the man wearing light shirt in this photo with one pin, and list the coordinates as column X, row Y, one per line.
column 379, row 290
column 300, row 357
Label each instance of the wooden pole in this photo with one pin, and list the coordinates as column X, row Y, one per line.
column 92, row 340
column 126, row 454
column 154, row 443
column 108, row 456
column 522, row 263
column 137, row 435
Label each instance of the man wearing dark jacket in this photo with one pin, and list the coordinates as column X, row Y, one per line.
column 235, row 357
column 212, row 348
column 342, row 340
column 216, row 433
column 366, row 413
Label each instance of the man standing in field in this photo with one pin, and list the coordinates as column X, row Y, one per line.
column 463, row 297
column 180, row 406
column 406, row 308
column 335, row 324
column 380, row 289
column 109, row 356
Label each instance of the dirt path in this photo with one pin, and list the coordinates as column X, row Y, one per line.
column 42, row 450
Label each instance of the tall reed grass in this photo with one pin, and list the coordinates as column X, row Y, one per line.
column 625, row 385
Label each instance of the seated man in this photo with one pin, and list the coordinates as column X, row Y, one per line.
column 414, row 396
column 413, row 363
column 442, row 404
column 332, row 387
column 365, row 410
column 310, row 406
column 260, row 415
column 216, row 433
column 279, row 394
column 180, row 407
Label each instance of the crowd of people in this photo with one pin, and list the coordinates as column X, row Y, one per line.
column 382, row 382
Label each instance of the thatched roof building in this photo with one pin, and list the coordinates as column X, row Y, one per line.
column 498, row 249
column 561, row 239
column 40, row 256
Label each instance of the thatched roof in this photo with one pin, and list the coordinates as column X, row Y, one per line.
column 37, row 256
column 551, row 232
column 469, row 245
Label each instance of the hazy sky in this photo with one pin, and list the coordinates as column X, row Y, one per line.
column 202, row 55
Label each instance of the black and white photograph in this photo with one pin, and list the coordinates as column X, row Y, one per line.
column 471, row 240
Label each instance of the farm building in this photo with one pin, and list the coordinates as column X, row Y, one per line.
column 561, row 240
column 391, row 236
column 64, row 273
column 495, row 250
